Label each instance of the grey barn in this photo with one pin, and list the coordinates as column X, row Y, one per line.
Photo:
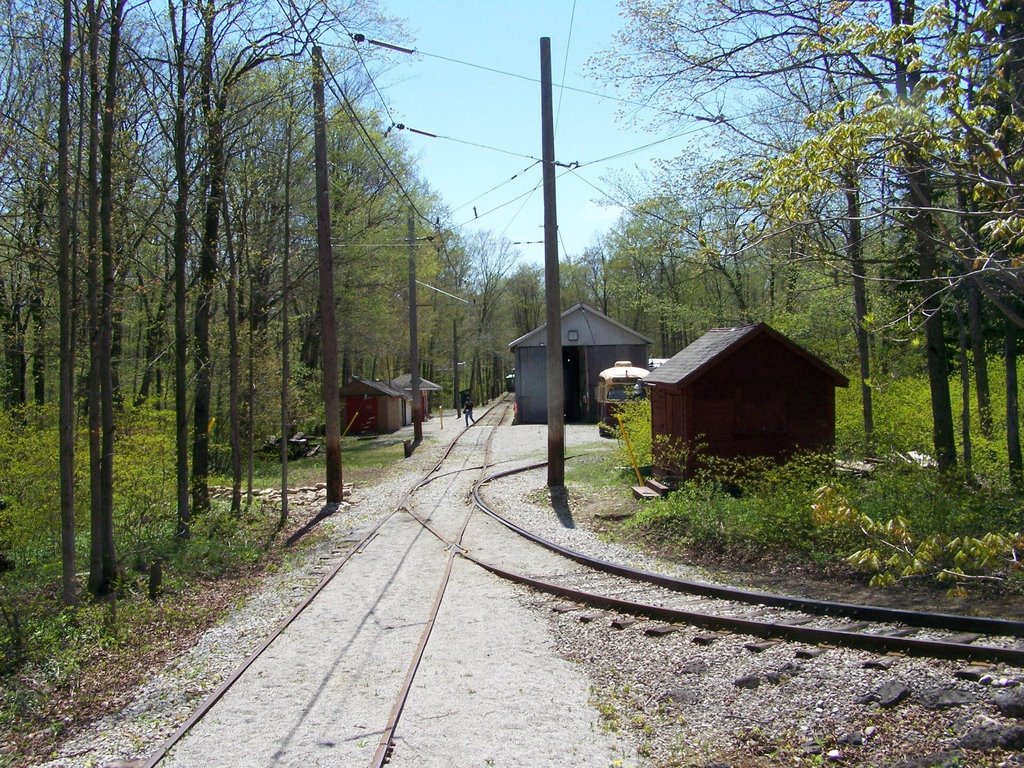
column 591, row 342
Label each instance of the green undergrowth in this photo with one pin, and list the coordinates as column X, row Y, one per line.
column 897, row 520
column 61, row 666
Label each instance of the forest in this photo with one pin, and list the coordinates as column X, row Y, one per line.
column 161, row 297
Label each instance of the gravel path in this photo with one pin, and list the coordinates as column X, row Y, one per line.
column 492, row 688
column 507, row 681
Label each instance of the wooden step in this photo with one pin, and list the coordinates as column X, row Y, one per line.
column 643, row 492
column 657, row 486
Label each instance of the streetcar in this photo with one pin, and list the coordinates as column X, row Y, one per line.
column 615, row 385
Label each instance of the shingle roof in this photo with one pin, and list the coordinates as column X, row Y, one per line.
column 404, row 382
column 381, row 387
column 716, row 343
column 540, row 331
column 698, row 354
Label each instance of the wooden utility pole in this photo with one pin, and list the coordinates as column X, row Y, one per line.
column 328, row 331
column 552, row 290
column 414, row 344
column 456, row 398
column 285, row 340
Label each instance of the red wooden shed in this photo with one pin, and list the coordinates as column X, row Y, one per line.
column 369, row 406
column 738, row 392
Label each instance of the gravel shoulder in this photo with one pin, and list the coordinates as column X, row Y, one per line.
column 557, row 690
column 685, row 703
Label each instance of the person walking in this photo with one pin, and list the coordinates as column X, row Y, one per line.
column 467, row 411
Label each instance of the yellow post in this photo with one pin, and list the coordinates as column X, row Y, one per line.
column 629, row 449
column 350, row 423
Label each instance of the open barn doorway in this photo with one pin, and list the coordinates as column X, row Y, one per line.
column 575, row 386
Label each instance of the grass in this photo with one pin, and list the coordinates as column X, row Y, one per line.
column 62, row 667
column 362, row 458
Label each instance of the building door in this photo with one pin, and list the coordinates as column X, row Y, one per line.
column 572, row 371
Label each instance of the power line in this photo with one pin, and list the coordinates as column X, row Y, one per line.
column 565, row 64
column 403, row 127
column 340, row 95
column 495, row 187
column 359, row 38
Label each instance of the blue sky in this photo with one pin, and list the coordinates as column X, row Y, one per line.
column 446, row 90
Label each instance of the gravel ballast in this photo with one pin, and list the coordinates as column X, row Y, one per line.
column 507, row 680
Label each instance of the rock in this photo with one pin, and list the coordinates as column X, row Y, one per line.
column 992, row 735
column 809, row 653
column 786, row 671
column 972, row 674
column 892, row 693
column 937, row 760
column 834, row 755
column 1009, row 702
column 705, row 639
column 694, row 667
column 1004, row 682
column 945, row 698
column 684, row 696
column 855, row 739
column 747, row 681
column 882, row 663
column 870, row 732
column 661, row 630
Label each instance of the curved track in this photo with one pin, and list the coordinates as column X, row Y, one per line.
column 879, row 629
column 495, row 415
column 607, row 585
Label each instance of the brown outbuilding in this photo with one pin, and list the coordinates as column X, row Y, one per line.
column 740, row 392
column 369, row 406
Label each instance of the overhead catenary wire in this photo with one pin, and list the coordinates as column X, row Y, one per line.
column 704, row 121
column 713, row 119
column 565, row 64
column 385, row 166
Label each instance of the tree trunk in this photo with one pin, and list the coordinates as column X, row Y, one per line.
column 234, row 414
column 65, row 268
column 855, row 254
column 36, row 313
column 96, row 585
column 206, row 274
column 107, row 348
column 1013, row 449
column 975, row 319
column 285, row 296
column 965, row 391
column 180, row 265
column 931, row 306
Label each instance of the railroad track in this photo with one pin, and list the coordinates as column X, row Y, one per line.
column 500, row 412
column 612, row 586
column 590, row 583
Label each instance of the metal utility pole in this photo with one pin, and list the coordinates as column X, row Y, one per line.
column 414, row 343
column 552, row 290
column 328, row 330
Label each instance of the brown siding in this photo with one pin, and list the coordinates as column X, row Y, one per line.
column 759, row 400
